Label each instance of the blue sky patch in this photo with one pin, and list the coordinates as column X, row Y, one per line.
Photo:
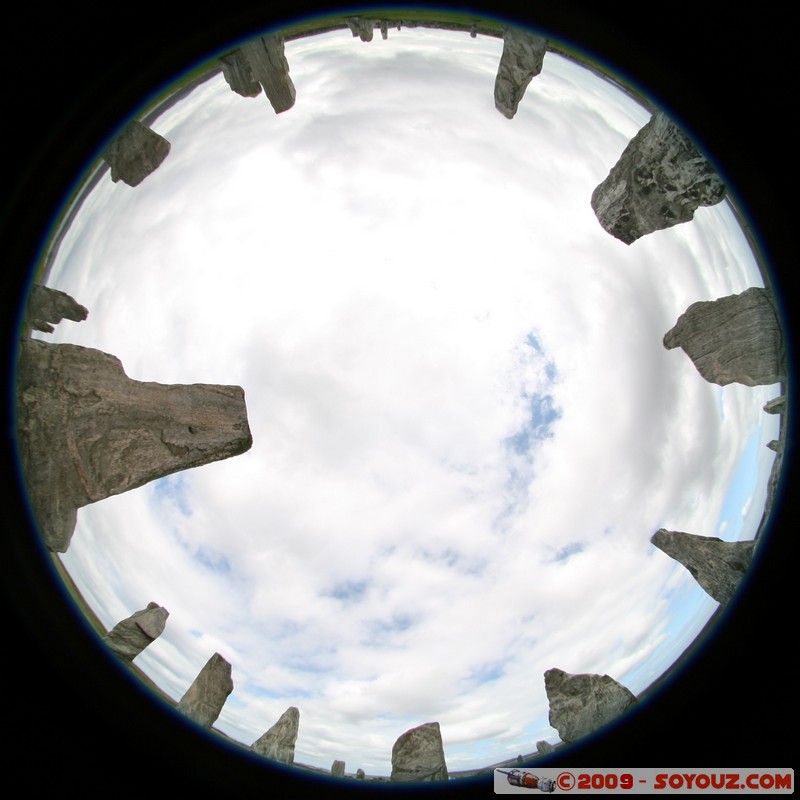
column 565, row 552
column 349, row 592
column 172, row 489
column 216, row 562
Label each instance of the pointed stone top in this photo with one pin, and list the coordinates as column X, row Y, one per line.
column 418, row 755
column 278, row 742
column 718, row 566
column 581, row 704
column 204, row 699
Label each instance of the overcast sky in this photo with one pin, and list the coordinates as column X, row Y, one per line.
column 466, row 427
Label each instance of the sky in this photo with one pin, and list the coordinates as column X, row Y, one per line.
column 466, row 427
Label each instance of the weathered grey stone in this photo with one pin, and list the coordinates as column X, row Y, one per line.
column 523, row 54
column 204, row 699
column 361, row 27
column 279, row 741
column 384, row 29
column 86, row 431
column 544, row 747
column 418, row 755
column 716, row 565
column 735, row 339
column 269, row 67
column 360, row 774
column 659, row 181
column 776, row 406
column 337, row 769
column 47, row 307
column 776, row 445
column 238, row 74
column 129, row 637
column 581, row 704
column 135, row 153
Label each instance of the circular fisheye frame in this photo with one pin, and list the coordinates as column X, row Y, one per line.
column 400, row 395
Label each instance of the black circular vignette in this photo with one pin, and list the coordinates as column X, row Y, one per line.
column 74, row 718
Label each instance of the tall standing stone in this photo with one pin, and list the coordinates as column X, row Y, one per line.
column 734, row 339
column 716, row 565
column 521, row 62
column 418, row 755
column 269, row 67
column 204, row 699
column 279, row 741
column 135, row 153
column 659, row 181
column 47, row 307
column 362, row 28
column 128, row 638
column 337, row 769
column 238, row 74
column 776, row 406
column 86, row 431
column 582, row 704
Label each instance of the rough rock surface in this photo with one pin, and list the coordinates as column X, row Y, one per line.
column 776, row 406
column 135, row 153
column 238, row 74
column 279, row 741
column 544, row 747
column 716, row 565
column 363, row 28
column 337, row 769
column 659, row 181
column 418, row 755
column 86, row 431
column 734, row 339
column 581, row 704
column 47, row 307
column 521, row 62
column 129, row 637
column 204, row 699
column 269, row 67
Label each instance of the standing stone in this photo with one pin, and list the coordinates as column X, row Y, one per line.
column 238, row 74
column 659, row 181
column 581, row 704
column 204, row 699
column 129, row 637
column 735, row 339
column 279, row 741
column 418, row 755
column 776, row 406
column 544, row 747
column 86, row 431
column 716, row 565
column 776, row 445
column 363, row 28
column 360, row 774
column 337, row 769
column 47, row 307
column 135, row 153
column 521, row 62
column 269, row 67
